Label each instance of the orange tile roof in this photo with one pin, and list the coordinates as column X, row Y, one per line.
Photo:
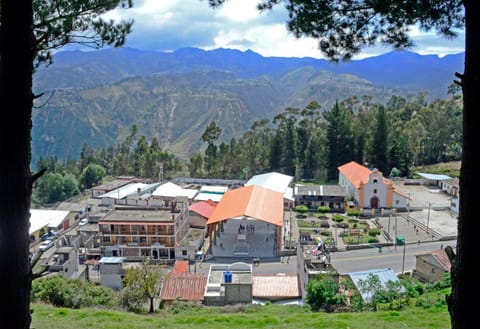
column 181, row 266
column 355, row 173
column 183, row 286
column 251, row 201
column 203, row 208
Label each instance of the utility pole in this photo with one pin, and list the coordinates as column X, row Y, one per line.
column 396, row 231
column 403, row 260
column 428, row 216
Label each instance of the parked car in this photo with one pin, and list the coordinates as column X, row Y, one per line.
column 45, row 245
column 84, row 221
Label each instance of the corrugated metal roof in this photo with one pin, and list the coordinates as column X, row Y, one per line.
column 172, row 190
column 111, row 260
column 384, row 275
column 441, row 257
column 206, row 195
column 433, row 176
column 183, row 286
column 274, row 181
column 275, row 287
column 124, row 191
column 251, row 201
column 46, row 217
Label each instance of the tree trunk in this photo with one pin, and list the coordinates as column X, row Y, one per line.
column 464, row 273
column 152, row 309
column 16, row 69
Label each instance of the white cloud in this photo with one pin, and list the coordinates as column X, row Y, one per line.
column 167, row 25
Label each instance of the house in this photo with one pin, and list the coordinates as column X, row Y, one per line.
column 310, row 263
column 168, row 193
column 431, row 266
column 228, row 284
column 183, row 286
column 199, row 213
column 65, row 261
column 112, row 272
column 276, row 289
column 134, row 233
column 432, row 179
column 113, row 185
column 130, row 194
column 452, row 188
column 314, row 196
column 369, row 189
column 46, row 221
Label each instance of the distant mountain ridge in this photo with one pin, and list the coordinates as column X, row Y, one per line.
column 95, row 97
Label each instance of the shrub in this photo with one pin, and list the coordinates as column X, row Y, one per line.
column 73, row 293
column 353, row 212
column 374, row 232
column 301, row 209
column 338, row 218
column 323, row 209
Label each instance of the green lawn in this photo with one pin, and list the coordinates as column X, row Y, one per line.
column 247, row 316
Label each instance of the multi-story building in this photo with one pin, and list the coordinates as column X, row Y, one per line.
column 137, row 233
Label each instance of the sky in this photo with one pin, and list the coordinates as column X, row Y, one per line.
column 167, row 25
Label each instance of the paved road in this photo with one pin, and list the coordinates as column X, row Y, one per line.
column 428, row 210
column 398, row 258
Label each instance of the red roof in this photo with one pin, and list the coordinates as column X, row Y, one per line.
column 181, row 266
column 251, row 201
column 203, row 208
column 183, row 286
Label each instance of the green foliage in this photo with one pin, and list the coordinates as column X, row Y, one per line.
column 72, row 293
column 371, row 286
column 54, row 187
column 301, row 209
column 374, row 232
column 338, row 218
column 142, row 283
column 323, row 209
column 92, row 175
column 80, row 22
column 353, row 212
column 322, row 292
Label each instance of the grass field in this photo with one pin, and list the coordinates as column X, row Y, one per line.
column 246, row 316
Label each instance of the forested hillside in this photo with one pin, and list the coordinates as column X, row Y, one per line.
column 96, row 97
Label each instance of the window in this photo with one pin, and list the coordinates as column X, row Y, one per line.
column 375, row 191
column 375, row 181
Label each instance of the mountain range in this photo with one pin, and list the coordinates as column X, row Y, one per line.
column 95, row 97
